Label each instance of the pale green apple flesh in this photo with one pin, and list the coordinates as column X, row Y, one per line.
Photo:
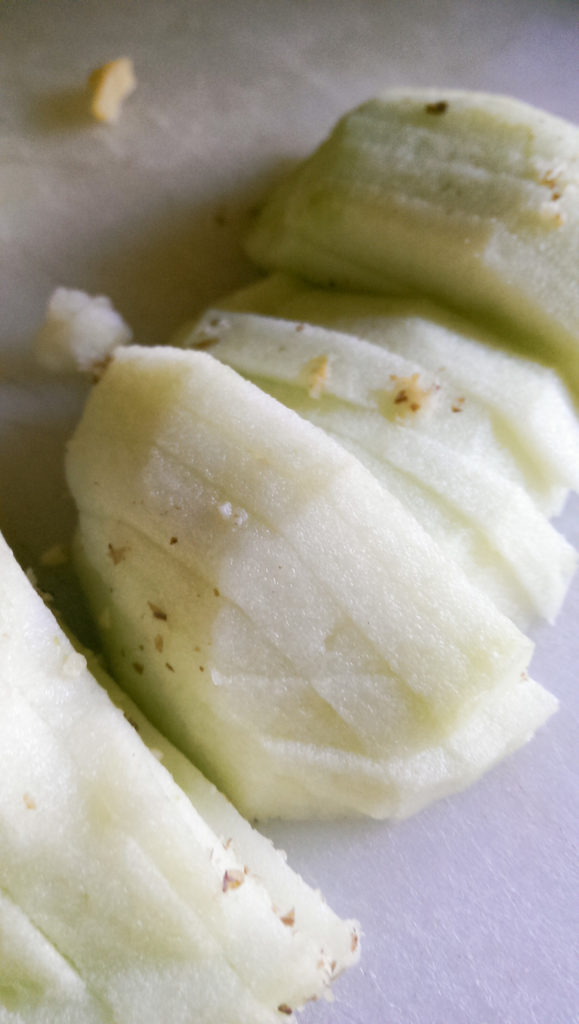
column 469, row 198
column 273, row 608
column 447, row 461
column 530, row 409
column 128, row 903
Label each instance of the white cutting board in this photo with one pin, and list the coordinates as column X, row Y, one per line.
column 469, row 910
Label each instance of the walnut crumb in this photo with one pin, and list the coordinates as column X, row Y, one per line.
column 29, row 802
column 158, row 613
column 407, row 396
column 316, row 373
column 117, row 555
column 232, row 879
column 111, row 84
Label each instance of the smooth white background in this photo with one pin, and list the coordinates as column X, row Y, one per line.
column 469, row 910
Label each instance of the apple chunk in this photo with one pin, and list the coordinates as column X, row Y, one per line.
column 466, row 197
column 243, row 565
column 154, row 908
column 445, row 457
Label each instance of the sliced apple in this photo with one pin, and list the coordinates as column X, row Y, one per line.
column 239, row 560
column 447, row 477
column 531, row 410
column 105, row 854
column 467, row 197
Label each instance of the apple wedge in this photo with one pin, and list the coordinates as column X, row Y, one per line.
column 157, row 912
column 457, row 474
column 466, row 197
column 245, row 569
column 531, row 410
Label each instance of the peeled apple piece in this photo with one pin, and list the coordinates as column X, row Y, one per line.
column 128, row 904
column 531, row 410
column 258, row 592
column 472, row 199
column 443, row 460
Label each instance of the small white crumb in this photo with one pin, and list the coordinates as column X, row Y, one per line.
column 156, row 753
column 237, row 516
column 54, row 556
column 111, row 84
column 74, row 665
column 80, row 332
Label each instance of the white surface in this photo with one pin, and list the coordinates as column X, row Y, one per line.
column 470, row 909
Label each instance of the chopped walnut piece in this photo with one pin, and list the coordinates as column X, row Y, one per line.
column 408, row 396
column 232, row 879
column 316, row 373
column 289, row 919
column 29, row 802
column 158, row 613
column 117, row 554
column 111, row 84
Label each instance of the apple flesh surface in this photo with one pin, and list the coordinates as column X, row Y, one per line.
column 104, row 854
column 240, row 587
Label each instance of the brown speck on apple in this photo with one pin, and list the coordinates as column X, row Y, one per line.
column 232, row 879
column 138, row 667
column 158, row 613
column 29, row 802
column 116, row 554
